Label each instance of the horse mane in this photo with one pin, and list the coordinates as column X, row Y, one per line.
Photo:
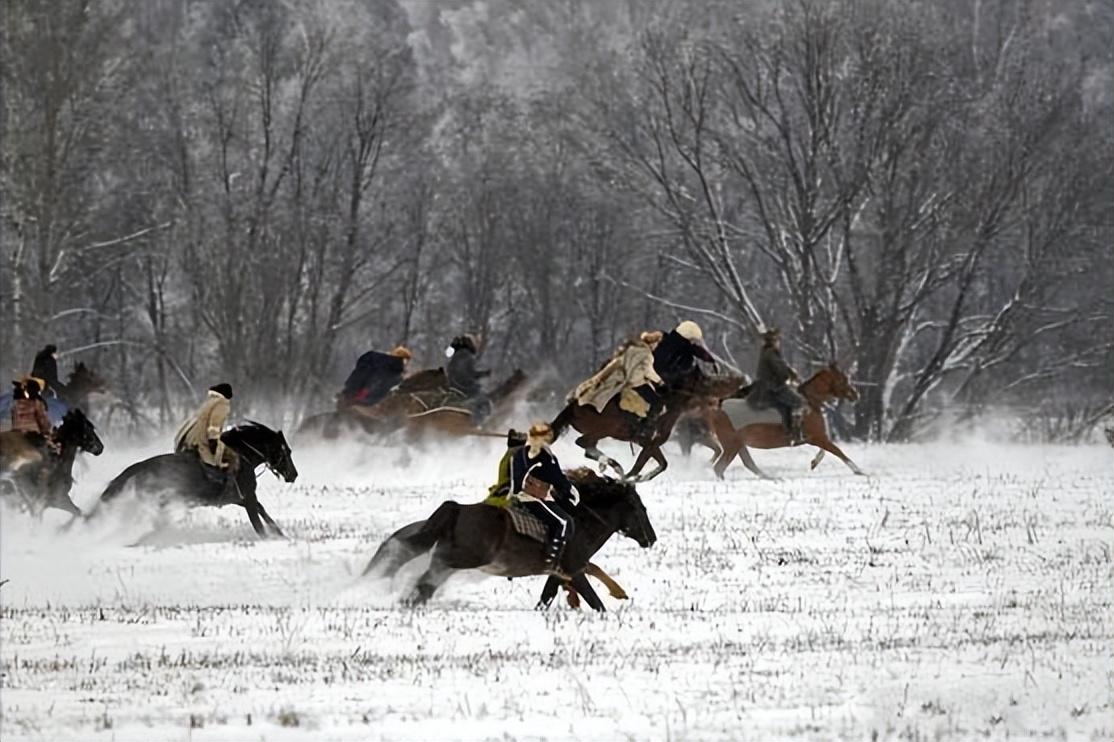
column 249, row 429
column 599, row 489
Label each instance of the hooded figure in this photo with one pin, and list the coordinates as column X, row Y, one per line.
column 374, row 376
column 631, row 367
column 46, row 368
column 464, row 377
column 201, row 433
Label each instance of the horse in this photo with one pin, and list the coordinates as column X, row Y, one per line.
column 692, row 393
column 483, row 537
column 737, row 425
column 183, row 476
column 48, row 482
column 422, row 403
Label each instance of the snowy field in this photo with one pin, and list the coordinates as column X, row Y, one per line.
column 961, row 591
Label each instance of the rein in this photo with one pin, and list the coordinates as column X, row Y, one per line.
column 264, row 461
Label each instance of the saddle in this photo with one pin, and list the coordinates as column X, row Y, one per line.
column 527, row 524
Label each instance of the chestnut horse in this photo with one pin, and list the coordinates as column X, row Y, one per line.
column 738, row 426
column 693, row 393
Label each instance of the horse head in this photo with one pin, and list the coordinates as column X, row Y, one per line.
column 258, row 444
column 619, row 500
column 83, row 380
column 839, row 383
column 77, row 430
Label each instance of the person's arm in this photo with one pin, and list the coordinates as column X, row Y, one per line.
column 702, row 353
column 214, row 426
column 561, row 483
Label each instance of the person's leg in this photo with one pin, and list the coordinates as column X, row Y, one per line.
column 557, row 524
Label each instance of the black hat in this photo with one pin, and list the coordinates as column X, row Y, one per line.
column 515, row 438
column 225, row 390
column 52, row 348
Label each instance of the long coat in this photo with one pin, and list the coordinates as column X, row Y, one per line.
column 769, row 381
column 373, row 378
column 205, row 425
column 46, row 368
column 462, row 373
column 29, row 416
column 675, row 357
column 631, row 367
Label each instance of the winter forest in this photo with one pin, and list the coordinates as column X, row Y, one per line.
column 257, row 192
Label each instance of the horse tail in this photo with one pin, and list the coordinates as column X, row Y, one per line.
column 564, row 417
column 116, row 486
column 410, row 542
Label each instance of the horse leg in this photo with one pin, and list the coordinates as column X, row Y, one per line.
column 748, row 462
column 825, row 444
column 580, row 583
column 613, row 588
column 590, row 450
column 433, row 578
column 650, row 451
column 252, row 508
column 572, row 597
column 727, row 455
column 549, row 592
column 817, row 459
column 268, row 520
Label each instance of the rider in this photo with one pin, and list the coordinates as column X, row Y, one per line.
column 29, row 414
column 498, row 493
column 374, row 376
column 770, row 386
column 201, row 433
column 675, row 360
column 539, row 485
column 464, row 377
column 45, row 367
column 630, row 367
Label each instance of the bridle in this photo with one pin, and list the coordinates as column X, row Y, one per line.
column 264, row 460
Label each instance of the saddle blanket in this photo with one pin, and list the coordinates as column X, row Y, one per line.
column 527, row 524
column 741, row 413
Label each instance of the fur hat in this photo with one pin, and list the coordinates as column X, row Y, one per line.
column 771, row 334
column 515, row 438
column 401, row 351
column 224, row 389
column 690, row 331
column 465, row 341
column 651, row 337
column 539, row 431
column 52, row 349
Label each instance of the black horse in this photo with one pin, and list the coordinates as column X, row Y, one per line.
column 183, row 476
column 482, row 537
column 48, row 483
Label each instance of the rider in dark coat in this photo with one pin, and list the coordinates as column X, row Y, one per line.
column 677, row 353
column 374, row 376
column 464, row 377
column 46, row 368
column 539, row 485
column 771, row 386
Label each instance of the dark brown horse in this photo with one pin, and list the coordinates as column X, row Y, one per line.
column 738, row 426
column 483, row 537
column 421, row 403
column 694, row 393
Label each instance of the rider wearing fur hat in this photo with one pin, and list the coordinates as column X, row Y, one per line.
column 539, row 485
column 677, row 353
column 772, row 386
column 464, row 376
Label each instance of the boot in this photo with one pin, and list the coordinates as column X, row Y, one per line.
column 795, row 433
column 553, row 551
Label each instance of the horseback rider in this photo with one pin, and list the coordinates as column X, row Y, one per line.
column 539, row 485
column 45, row 367
column 631, row 367
column 201, row 436
column 29, row 416
column 375, row 375
column 677, row 353
column 498, row 493
column 464, row 377
column 771, row 386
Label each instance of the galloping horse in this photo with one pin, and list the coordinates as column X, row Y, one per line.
column 48, row 483
column 82, row 384
column 181, row 475
column 737, row 425
column 422, row 402
column 696, row 391
column 483, row 537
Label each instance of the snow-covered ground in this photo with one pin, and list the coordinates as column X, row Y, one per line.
column 962, row 590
